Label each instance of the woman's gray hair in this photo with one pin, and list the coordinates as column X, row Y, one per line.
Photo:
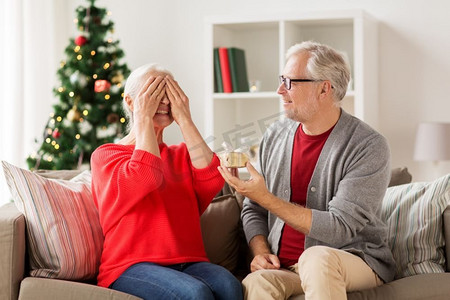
column 325, row 63
column 134, row 83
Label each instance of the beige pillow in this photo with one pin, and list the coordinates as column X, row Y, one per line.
column 64, row 237
column 413, row 214
column 221, row 230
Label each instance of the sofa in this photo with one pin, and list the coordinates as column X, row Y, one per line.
column 224, row 242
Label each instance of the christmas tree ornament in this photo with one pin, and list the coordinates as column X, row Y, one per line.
column 118, row 78
column 74, row 77
column 74, row 115
column 112, row 118
column 56, row 134
column 78, row 78
column 82, row 81
column 101, row 85
column 87, row 19
column 80, row 40
column 115, row 88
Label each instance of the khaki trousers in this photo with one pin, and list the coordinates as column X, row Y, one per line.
column 321, row 273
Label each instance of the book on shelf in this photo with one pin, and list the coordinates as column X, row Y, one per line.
column 218, row 85
column 225, row 70
column 238, row 69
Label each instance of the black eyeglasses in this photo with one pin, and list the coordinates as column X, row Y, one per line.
column 287, row 81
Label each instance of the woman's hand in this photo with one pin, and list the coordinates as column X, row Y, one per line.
column 144, row 108
column 179, row 102
column 147, row 101
column 199, row 151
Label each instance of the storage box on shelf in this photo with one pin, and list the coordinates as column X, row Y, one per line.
column 235, row 117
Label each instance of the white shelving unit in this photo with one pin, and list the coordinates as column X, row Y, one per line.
column 243, row 117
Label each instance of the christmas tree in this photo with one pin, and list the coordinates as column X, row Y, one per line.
column 90, row 92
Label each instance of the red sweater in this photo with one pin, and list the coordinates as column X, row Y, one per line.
column 150, row 207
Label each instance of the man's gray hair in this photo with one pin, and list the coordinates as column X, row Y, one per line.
column 134, row 83
column 325, row 63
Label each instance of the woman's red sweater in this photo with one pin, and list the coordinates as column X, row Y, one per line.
column 150, row 207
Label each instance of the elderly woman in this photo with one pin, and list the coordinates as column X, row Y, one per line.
column 150, row 197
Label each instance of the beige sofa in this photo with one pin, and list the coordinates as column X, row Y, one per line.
column 223, row 234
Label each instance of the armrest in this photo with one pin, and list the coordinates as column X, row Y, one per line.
column 447, row 236
column 12, row 251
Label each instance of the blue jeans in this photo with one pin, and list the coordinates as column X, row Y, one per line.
column 196, row 281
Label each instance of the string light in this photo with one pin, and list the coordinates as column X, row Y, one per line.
column 48, row 140
column 77, row 136
column 49, row 131
column 60, row 89
column 53, row 143
column 59, row 118
column 71, row 94
column 52, row 121
column 79, row 57
column 93, row 52
column 52, row 115
column 95, row 76
column 110, row 41
column 122, row 120
column 56, row 146
column 77, row 48
column 107, row 96
column 122, row 95
column 85, row 112
column 106, row 66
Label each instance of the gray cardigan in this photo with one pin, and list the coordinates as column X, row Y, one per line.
column 345, row 192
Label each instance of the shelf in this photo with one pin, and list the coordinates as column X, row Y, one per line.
column 259, row 95
column 247, row 95
column 265, row 40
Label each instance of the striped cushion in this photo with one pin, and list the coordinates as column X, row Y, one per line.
column 414, row 218
column 64, row 236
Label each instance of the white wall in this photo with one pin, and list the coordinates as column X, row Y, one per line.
column 414, row 55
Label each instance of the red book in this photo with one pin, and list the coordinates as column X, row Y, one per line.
column 225, row 69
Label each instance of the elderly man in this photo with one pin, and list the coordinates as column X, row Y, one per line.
column 312, row 214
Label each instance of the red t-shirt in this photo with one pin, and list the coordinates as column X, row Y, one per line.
column 305, row 153
column 150, row 207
